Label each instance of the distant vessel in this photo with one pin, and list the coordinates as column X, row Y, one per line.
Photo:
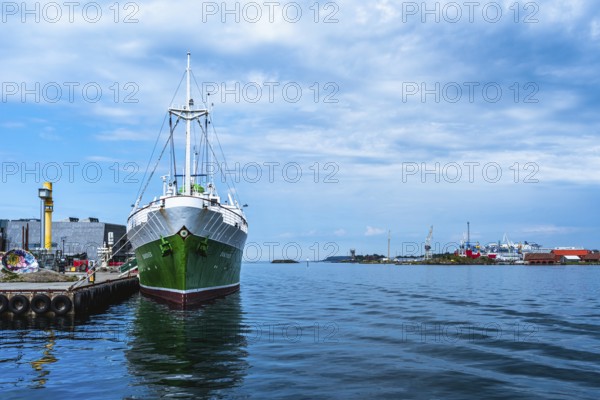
column 504, row 251
column 188, row 243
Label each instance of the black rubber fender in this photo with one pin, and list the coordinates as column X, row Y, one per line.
column 61, row 304
column 40, row 304
column 78, row 300
column 42, row 322
column 83, row 301
column 18, row 304
column 3, row 303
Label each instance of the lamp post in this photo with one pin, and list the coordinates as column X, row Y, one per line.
column 45, row 195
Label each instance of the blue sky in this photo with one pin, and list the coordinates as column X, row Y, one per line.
column 397, row 116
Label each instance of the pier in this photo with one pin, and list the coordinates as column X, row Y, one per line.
column 65, row 298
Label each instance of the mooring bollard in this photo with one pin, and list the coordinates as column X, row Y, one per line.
column 91, row 271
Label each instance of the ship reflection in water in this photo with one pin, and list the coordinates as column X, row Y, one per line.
column 188, row 353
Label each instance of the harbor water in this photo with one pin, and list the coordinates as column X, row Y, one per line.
column 329, row 331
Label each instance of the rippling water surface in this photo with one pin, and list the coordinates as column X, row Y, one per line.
column 329, row 331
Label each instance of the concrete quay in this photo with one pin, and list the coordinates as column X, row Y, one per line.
column 64, row 298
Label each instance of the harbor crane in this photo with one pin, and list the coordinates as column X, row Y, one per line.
column 428, row 255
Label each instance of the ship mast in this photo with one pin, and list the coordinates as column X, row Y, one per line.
column 189, row 114
column 188, row 135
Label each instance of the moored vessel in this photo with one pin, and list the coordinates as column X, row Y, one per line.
column 188, row 241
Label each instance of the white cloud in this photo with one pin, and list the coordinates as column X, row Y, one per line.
column 12, row 125
column 374, row 231
column 371, row 129
column 549, row 230
column 49, row 135
column 122, row 134
column 103, row 159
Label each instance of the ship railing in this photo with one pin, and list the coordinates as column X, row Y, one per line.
column 230, row 216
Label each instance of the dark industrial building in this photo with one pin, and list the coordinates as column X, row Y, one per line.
column 71, row 236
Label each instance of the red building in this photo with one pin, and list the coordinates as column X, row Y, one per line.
column 559, row 256
column 591, row 258
column 570, row 252
column 541, row 258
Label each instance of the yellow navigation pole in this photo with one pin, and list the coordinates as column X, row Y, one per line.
column 45, row 194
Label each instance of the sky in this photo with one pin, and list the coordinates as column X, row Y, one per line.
column 343, row 123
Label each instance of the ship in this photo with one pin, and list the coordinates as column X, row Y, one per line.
column 188, row 241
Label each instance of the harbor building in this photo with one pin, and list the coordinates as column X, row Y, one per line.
column 71, row 236
column 563, row 255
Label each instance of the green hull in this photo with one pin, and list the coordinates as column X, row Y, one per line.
column 188, row 269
